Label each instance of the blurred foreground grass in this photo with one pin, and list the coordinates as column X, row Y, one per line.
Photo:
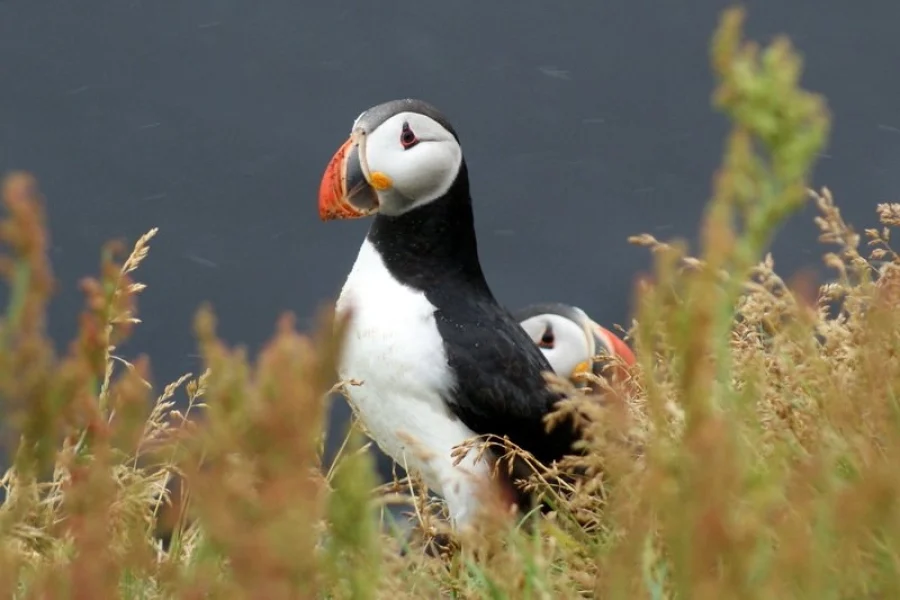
column 765, row 415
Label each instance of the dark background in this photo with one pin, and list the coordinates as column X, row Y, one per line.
column 582, row 123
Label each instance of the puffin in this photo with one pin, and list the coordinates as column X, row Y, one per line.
column 574, row 344
column 433, row 359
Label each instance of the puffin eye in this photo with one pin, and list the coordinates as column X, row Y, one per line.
column 548, row 339
column 408, row 139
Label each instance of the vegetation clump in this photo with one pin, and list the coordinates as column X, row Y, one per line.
column 761, row 436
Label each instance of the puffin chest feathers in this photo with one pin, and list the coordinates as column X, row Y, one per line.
column 393, row 347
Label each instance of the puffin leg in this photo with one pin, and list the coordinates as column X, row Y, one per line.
column 470, row 491
column 465, row 487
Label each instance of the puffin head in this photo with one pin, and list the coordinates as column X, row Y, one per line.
column 570, row 339
column 400, row 155
column 562, row 333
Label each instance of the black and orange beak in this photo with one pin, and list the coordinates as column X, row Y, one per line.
column 344, row 192
column 605, row 338
column 622, row 349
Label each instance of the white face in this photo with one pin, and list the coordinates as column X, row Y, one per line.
column 415, row 157
column 562, row 341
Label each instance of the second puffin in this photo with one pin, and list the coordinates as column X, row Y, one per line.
column 575, row 344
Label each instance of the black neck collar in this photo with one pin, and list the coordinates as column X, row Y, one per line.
column 433, row 245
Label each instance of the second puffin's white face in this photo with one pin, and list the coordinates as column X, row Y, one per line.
column 562, row 341
column 410, row 160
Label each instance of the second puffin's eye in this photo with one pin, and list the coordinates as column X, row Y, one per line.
column 408, row 138
column 548, row 339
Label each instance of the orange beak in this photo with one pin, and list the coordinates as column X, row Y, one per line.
column 344, row 192
column 621, row 348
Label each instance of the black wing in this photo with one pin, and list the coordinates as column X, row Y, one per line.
column 500, row 387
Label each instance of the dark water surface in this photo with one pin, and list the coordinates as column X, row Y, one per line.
column 582, row 123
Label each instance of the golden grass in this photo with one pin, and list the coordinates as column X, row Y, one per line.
column 756, row 457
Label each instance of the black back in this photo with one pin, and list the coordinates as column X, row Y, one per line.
column 500, row 388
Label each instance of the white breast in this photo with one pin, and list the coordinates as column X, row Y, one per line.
column 393, row 347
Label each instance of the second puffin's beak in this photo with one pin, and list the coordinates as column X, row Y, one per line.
column 344, row 192
column 619, row 347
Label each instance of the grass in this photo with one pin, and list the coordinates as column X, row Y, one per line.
column 755, row 458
